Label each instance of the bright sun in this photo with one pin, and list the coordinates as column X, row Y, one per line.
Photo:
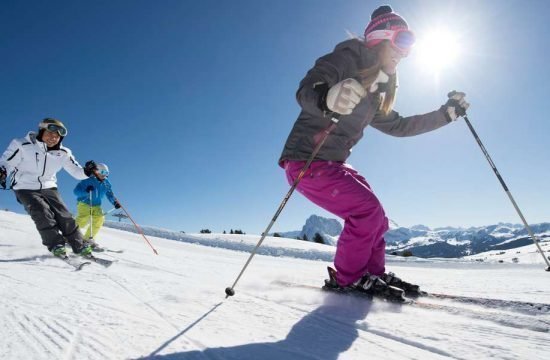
column 436, row 50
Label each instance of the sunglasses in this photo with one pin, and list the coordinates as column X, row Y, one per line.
column 56, row 128
column 400, row 39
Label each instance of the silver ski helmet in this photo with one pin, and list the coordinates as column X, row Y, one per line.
column 103, row 169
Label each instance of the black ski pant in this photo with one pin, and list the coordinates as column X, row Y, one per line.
column 52, row 219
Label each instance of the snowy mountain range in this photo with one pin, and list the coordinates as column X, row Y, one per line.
column 446, row 242
column 451, row 242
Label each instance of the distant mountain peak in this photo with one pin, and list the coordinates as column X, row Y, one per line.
column 420, row 227
column 322, row 225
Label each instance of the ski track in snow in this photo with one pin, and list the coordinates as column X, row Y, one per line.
column 47, row 335
column 472, row 317
column 337, row 325
column 172, row 307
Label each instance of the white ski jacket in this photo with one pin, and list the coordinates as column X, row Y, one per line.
column 34, row 167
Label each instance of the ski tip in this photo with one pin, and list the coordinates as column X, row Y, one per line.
column 82, row 265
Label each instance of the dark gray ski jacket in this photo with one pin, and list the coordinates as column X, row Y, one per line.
column 346, row 61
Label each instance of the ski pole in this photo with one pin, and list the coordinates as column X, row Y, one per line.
column 501, row 180
column 138, row 228
column 91, row 238
column 230, row 290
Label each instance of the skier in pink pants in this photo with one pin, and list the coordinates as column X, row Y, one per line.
column 357, row 83
column 338, row 188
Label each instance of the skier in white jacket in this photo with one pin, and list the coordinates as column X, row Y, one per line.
column 33, row 162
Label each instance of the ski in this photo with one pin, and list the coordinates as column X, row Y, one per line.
column 103, row 262
column 396, row 298
column 518, row 306
column 529, row 308
column 104, row 249
column 75, row 263
column 113, row 251
column 391, row 294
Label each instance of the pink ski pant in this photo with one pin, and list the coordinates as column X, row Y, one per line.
column 339, row 189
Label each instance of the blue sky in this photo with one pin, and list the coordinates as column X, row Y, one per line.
column 190, row 103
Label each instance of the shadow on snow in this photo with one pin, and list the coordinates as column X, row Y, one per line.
column 324, row 333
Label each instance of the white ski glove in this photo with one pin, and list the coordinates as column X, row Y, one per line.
column 456, row 105
column 344, row 96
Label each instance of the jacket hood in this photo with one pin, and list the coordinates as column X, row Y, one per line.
column 356, row 45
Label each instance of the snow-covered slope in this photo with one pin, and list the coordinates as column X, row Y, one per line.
column 173, row 306
column 527, row 254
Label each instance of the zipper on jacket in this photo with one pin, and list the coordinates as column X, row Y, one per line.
column 44, row 169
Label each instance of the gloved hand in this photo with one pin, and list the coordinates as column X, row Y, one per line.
column 117, row 205
column 90, row 168
column 456, row 105
column 3, row 176
column 90, row 188
column 344, row 96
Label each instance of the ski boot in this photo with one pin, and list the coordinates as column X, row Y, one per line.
column 85, row 251
column 94, row 245
column 375, row 286
column 332, row 285
column 59, row 250
column 410, row 289
column 368, row 286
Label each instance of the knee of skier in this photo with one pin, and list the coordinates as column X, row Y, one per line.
column 374, row 212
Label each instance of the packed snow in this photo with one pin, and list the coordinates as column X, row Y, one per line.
column 173, row 305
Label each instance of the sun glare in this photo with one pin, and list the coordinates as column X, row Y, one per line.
column 436, row 50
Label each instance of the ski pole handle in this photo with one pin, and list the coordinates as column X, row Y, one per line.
column 460, row 111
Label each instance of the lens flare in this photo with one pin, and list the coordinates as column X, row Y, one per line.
column 437, row 50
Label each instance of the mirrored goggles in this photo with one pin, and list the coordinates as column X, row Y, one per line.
column 103, row 172
column 400, row 39
column 56, row 128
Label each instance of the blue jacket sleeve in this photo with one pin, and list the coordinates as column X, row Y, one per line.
column 109, row 192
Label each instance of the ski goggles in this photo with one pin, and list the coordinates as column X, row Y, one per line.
column 103, row 172
column 400, row 39
column 61, row 130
